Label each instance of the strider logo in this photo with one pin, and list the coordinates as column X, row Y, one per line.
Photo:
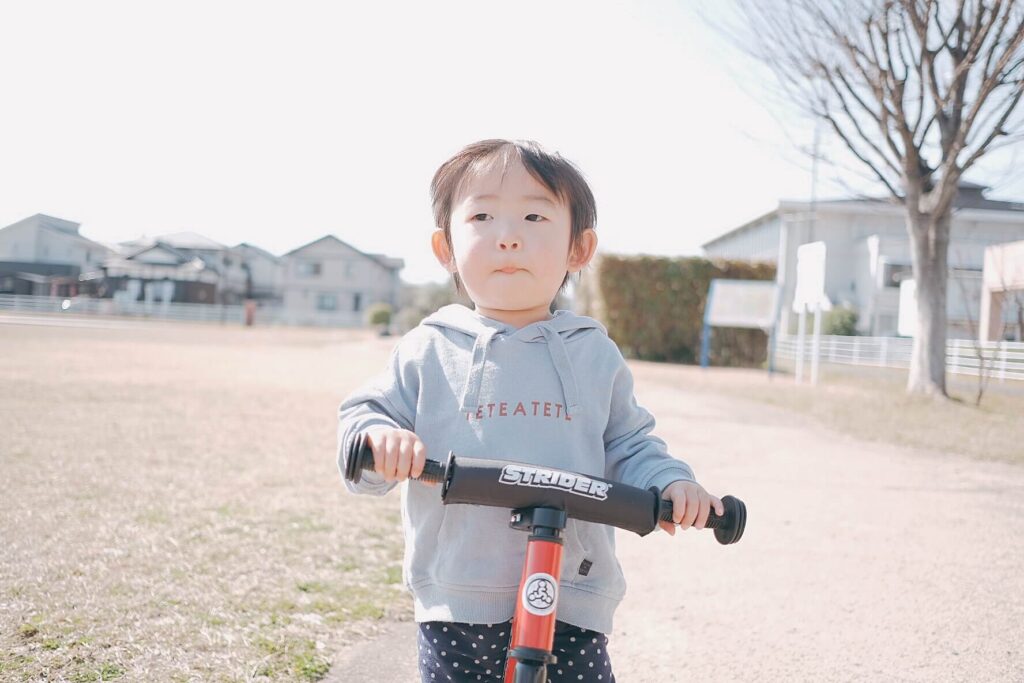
column 539, row 477
column 540, row 593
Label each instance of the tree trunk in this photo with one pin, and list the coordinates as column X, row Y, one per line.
column 929, row 235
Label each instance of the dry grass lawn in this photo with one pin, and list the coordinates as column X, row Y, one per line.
column 172, row 510
column 871, row 404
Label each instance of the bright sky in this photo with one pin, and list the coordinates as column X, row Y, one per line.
column 277, row 123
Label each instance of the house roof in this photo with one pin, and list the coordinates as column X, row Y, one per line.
column 180, row 255
column 258, row 250
column 54, row 223
column 190, row 240
column 178, row 240
column 970, row 196
column 383, row 261
column 188, row 267
column 59, row 226
column 74, row 235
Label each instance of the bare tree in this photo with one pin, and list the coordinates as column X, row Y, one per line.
column 919, row 91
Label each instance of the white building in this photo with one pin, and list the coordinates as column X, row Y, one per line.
column 325, row 282
column 40, row 251
column 154, row 271
column 191, row 243
column 244, row 271
column 259, row 273
column 869, row 254
column 329, row 282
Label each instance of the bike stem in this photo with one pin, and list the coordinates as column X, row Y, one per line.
column 533, row 626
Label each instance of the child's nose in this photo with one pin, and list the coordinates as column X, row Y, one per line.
column 509, row 244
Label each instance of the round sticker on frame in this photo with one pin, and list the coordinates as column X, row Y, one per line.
column 540, row 594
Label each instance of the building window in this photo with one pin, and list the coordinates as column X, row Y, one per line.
column 326, row 302
column 357, row 302
column 894, row 273
column 886, row 325
column 308, row 268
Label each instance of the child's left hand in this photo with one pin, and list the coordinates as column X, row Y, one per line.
column 691, row 505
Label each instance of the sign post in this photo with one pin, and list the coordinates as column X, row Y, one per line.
column 750, row 304
column 906, row 325
column 810, row 294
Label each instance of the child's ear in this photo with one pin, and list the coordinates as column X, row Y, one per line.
column 582, row 251
column 441, row 250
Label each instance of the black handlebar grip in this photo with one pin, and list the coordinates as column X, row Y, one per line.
column 476, row 482
column 360, row 458
column 728, row 528
column 433, row 472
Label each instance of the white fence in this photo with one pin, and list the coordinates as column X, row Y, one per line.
column 139, row 309
column 1002, row 360
column 266, row 314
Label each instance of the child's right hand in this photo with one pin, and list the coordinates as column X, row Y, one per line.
column 397, row 453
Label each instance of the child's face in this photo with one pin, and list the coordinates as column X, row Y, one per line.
column 510, row 238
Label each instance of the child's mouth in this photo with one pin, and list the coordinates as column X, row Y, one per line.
column 509, row 269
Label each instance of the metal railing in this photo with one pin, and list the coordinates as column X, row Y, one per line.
column 1001, row 360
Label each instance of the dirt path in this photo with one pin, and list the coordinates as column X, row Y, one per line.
column 860, row 561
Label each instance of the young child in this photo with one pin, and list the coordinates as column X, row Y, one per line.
column 509, row 381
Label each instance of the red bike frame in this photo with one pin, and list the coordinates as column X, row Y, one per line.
column 533, row 625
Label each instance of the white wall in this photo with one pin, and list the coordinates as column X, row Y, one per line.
column 757, row 242
column 344, row 274
column 267, row 273
column 853, row 269
column 18, row 242
column 30, row 240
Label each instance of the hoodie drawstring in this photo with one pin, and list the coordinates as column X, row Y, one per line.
column 563, row 366
column 471, row 393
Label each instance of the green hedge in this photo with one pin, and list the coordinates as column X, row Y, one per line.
column 653, row 308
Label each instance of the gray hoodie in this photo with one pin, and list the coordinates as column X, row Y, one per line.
column 554, row 393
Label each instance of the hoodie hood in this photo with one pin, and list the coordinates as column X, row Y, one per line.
column 553, row 333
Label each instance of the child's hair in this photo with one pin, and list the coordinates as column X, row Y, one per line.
column 552, row 171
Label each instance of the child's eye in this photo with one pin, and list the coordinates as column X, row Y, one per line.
column 480, row 217
column 535, row 218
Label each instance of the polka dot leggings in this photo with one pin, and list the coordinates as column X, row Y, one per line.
column 476, row 652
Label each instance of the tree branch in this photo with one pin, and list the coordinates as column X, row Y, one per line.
column 895, row 166
column 997, row 129
column 853, row 150
column 986, row 88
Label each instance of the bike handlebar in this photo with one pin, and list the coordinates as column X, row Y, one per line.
column 497, row 483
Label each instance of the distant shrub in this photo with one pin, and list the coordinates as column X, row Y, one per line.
column 840, row 321
column 379, row 315
column 419, row 301
column 653, row 308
